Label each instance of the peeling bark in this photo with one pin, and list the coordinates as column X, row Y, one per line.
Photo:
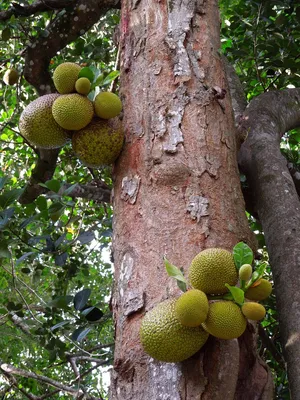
column 266, row 119
column 181, row 144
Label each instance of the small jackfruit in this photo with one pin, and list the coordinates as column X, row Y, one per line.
column 245, row 272
column 260, row 291
column 253, row 311
column 99, row 143
column 83, row 86
column 65, row 77
column 225, row 320
column 164, row 338
column 192, row 308
column 11, row 76
column 38, row 126
column 211, row 269
column 73, row 111
column 107, row 105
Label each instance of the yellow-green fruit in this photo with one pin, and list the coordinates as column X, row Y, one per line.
column 73, row 111
column 38, row 126
column 259, row 292
column 99, row 143
column 245, row 272
column 107, row 105
column 83, row 86
column 192, row 308
column 253, row 311
column 65, row 77
column 165, row 339
column 11, row 76
column 225, row 320
column 211, row 269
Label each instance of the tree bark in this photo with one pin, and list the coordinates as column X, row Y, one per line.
column 276, row 201
column 176, row 192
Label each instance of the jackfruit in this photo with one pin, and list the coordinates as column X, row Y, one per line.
column 38, row 126
column 191, row 308
column 259, row 292
column 83, row 86
column 72, row 111
column 225, row 320
column 211, row 269
column 253, row 311
column 65, row 77
column 99, row 143
column 11, row 76
column 165, row 339
column 107, row 105
column 245, row 272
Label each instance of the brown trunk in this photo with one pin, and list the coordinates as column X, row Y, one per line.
column 176, row 193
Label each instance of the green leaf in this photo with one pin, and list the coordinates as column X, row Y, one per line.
column 60, row 324
column 6, row 34
column 3, row 180
column 86, row 72
column 24, row 256
column 5, row 217
column 242, row 254
column 81, row 298
column 9, row 197
column 69, row 190
column 237, row 294
column 41, row 203
column 52, row 185
column 4, row 252
column 173, row 271
column 80, row 333
column 110, row 77
column 61, row 301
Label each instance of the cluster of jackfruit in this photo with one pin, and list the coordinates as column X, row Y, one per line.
column 49, row 121
column 176, row 329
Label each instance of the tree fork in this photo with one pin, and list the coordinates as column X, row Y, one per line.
column 176, row 192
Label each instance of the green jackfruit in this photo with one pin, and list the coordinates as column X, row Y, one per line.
column 225, row 320
column 260, row 291
column 253, row 311
column 211, row 269
column 11, row 76
column 107, row 105
column 164, row 338
column 192, row 308
column 38, row 126
column 245, row 272
column 73, row 111
column 83, row 86
column 65, row 77
column 99, row 143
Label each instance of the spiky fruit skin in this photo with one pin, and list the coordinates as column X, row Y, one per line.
column 39, row 127
column 164, row 338
column 11, row 76
column 73, row 111
column 83, row 86
column 225, row 320
column 245, row 272
column 253, row 311
column 192, row 307
column 107, row 105
column 65, row 77
column 99, row 143
column 259, row 292
column 211, row 269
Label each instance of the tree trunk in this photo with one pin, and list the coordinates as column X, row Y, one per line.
column 176, row 192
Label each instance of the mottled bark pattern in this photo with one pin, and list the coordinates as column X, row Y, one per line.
column 176, row 193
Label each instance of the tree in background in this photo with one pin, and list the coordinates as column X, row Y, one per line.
column 176, row 191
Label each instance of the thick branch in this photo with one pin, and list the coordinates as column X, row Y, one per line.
column 38, row 6
column 266, row 119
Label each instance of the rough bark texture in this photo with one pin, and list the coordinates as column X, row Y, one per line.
column 176, row 193
column 276, row 200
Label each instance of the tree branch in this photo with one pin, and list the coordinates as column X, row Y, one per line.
column 276, row 200
column 38, row 6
